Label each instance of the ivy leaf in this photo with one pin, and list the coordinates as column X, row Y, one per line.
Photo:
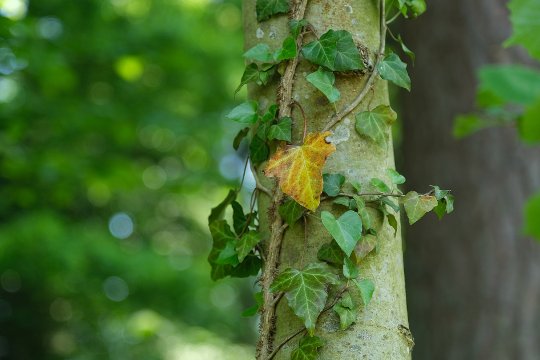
column 332, row 184
column 307, row 349
column 251, row 311
column 222, row 237
column 258, row 150
column 343, row 200
column 362, row 211
column 394, row 70
column 218, row 212
column 239, row 137
column 367, row 288
column 532, row 214
column 366, row 245
column 266, row 8
column 416, row 206
column 246, row 243
column 331, row 253
column 393, row 205
column 239, row 219
column 346, row 230
column 228, row 255
column 261, row 53
column 251, row 74
column 375, row 123
column 395, row 177
column 287, row 51
column 249, row 267
column 392, row 221
column 529, row 124
column 305, row 291
column 524, row 17
column 405, row 49
column 291, row 211
column 299, row 169
column 324, row 81
column 270, row 114
column 350, row 271
column 245, row 113
column 334, row 50
column 296, row 26
column 346, row 311
column 465, row 125
column 282, row 130
column 508, row 83
column 380, row 185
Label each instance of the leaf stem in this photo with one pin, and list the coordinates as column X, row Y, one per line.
column 297, row 104
column 370, row 81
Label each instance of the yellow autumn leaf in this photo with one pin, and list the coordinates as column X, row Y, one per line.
column 299, row 169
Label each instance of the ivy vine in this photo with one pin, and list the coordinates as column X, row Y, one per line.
column 333, row 282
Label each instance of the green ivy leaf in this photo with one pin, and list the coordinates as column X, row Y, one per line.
column 392, row 221
column 291, row 211
column 375, row 123
column 324, row 81
column 228, row 255
column 389, row 202
column 296, row 26
column 282, row 130
column 362, row 211
column 249, row 267
column 394, row 70
column 239, row 137
column 334, row 50
column 532, row 214
column 367, row 288
column 270, row 114
column 253, row 310
column 350, row 271
column 344, row 201
column 395, row 177
column 332, row 184
column 261, row 53
column 529, row 124
column 508, row 84
column 267, row 8
column 346, row 230
column 405, row 49
column 416, row 206
column 305, row 291
column 239, row 219
column 346, row 311
column 245, row 113
column 526, row 26
column 246, row 243
column 465, row 125
column 380, row 185
column 287, row 51
column 331, row 253
column 258, row 150
column 445, row 201
column 218, row 212
column 222, row 237
column 251, row 74
column 308, row 348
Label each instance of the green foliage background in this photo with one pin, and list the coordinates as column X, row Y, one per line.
column 114, row 107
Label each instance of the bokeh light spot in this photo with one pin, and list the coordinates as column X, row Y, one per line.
column 8, row 89
column 222, row 296
column 61, row 310
column 115, row 288
column 154, row 177
column 129, row 68
column 13, row 9
column 121, row 225
column 49, row 28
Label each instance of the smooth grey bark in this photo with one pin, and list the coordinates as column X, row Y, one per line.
column 376, row 335
column 473, row 279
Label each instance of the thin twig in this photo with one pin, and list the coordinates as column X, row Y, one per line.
column 289, row 338
column 278, row 298
column 391, row 20
column 369, row 83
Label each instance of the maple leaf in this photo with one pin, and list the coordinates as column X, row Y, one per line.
column 299, row 169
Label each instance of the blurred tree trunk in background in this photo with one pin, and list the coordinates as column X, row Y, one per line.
column 473, row 280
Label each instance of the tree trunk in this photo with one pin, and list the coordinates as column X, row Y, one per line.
column 376, row 335
column 473, row 279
